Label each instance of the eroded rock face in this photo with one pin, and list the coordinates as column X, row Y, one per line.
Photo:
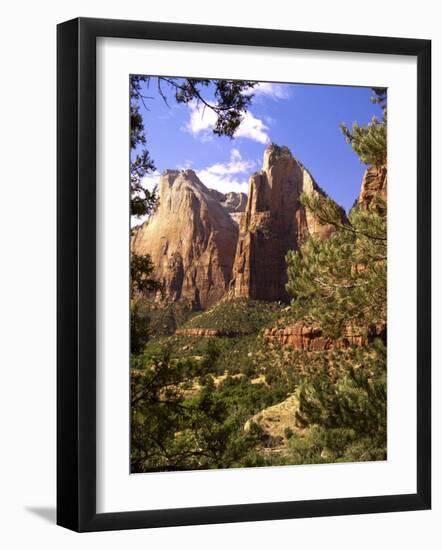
column 274, row 421
column 191, row 239
column 300, row 336
column 374, row 183
column 234, row 203
column 273, row 223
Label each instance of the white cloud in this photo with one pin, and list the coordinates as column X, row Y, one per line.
column 202, row 120
column 275, row 91
column 232, row 175
column 151, row 180
column 225, row 177
column 186, row 165
column 253, row 128
column 235, row 155
column 223, row 183
column 236, row 165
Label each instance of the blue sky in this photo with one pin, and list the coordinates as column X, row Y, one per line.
column 303, row 117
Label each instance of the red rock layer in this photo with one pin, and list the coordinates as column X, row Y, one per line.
column 273, row 223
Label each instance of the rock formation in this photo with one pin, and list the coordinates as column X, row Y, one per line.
column 191, row 239
column 374, row 183
column 235, row 204
column 300, row 336
column 273, row 223
column 198, row 253
column 274, row 422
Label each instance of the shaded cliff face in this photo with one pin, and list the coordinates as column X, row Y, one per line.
column 234, row 203
column 374, row 183
column 191, row 239
column 273, row 223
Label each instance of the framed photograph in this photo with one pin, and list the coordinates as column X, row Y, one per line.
column 243, row 308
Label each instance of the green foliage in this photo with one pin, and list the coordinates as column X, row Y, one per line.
column 380, row 97
column 343, row 279
column 141, row 275
column 139, row 335
column 370, row 142
column 231, row 99
column 192, row 397
column 170, row 431
column 336, row 283
column 165, row 317
column 142, row 201
column 143, row 284
column 346, row 418
column 235, row 317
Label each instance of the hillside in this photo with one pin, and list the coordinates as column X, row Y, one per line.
column 233, row 375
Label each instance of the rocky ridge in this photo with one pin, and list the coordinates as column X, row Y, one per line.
column 273, row 223
column 206, row 245
column 191, row 239
column 304, row 337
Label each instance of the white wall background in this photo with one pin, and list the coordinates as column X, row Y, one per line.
column 27, row 289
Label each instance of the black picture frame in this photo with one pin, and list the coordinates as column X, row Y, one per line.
column 76, row 274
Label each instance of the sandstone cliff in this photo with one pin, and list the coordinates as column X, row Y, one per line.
column 300, row 336
column 191, row 239
column 374, row 183
column 273, row 223
column 234, row 203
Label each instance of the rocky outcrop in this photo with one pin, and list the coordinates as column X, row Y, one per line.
column 374, row 183
column 202, row 332
column 234, row 203
column 273, row 223
column 191, row 239
column 300, row 336
column 205, row 244
column 276, row 423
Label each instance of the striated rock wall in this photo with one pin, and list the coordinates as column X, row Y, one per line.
column 374, row 183
column 311, row 338
column 191, row 239
column 274, row 222
column 206, row 245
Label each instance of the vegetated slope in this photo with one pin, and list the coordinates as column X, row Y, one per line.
column 239, row 398
column 235, row 317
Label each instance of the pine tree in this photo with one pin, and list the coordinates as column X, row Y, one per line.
column 343, row 279
column 370, row 142
column 335, row 283
column 345, row 418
